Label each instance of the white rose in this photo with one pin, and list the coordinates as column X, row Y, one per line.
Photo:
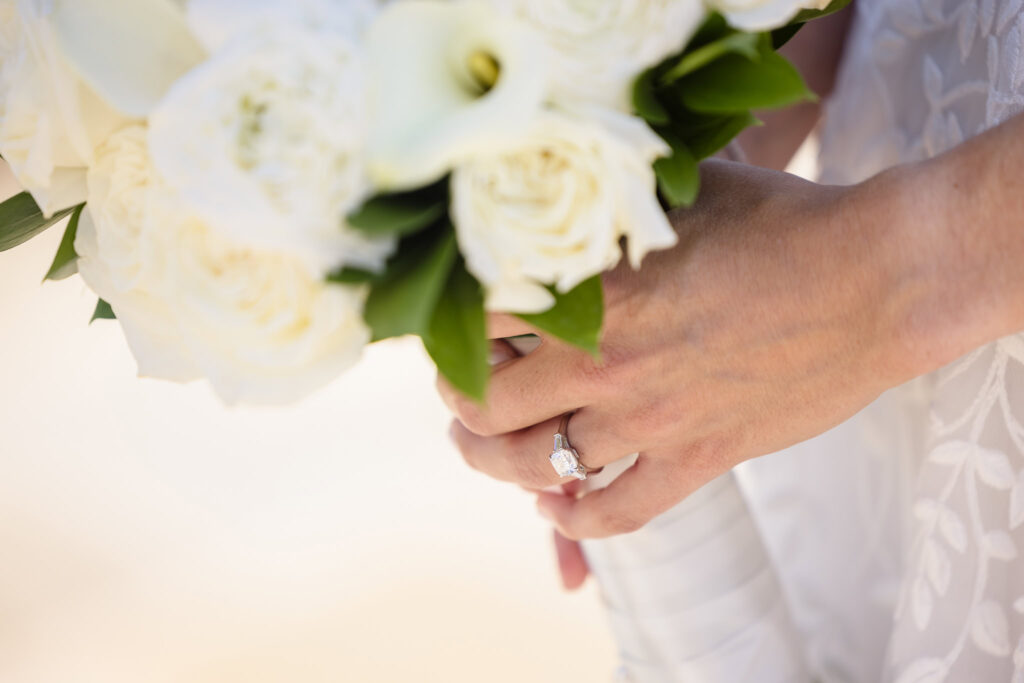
column 602, row 46
column 552, row 209
column 763, row 15
column 256, row 323
column 50, row 122
column 215, row 22
column 449, row 79
column 260, row 327
column 116, row 255
column 265, row 142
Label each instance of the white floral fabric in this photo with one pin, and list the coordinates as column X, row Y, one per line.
column 899, row 536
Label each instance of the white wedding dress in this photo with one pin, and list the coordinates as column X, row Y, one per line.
column 892, row 547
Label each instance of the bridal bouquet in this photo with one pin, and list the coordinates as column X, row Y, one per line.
column 258, row 189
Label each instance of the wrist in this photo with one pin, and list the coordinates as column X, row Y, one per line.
column 938, row 295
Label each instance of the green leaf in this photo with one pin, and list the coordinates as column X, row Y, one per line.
column 576, row 317
column 645, row 99
column 781, row 36
column 811, row 14
column 734, row 84
column 402, row 214
column 678, row 175
column 713, row 28
column 743, row 44
column 103, row 312
column 404, row 299
column 354, row 276
column 716, row 132
column 21, row 219
column 65, row 261
column 457, row 338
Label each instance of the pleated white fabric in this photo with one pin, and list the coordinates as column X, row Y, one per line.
column 694, row 596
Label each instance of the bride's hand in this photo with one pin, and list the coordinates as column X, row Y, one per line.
column 772, row 321
column 786, row 308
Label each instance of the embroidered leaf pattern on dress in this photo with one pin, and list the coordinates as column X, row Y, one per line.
column 920, row 77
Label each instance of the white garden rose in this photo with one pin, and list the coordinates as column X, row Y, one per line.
column 551, row 210
column 763, row 15
column 116, row 256
column 449, row 79
column 256, row 323
column 265, row 142
column 602, row 46
column 119, row 189
column 260, row 327
column 50, row 122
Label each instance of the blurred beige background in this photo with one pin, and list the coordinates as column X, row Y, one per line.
column 148, row 534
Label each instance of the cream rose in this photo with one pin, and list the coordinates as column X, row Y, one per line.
column 600, row 47
column 50, row 122
column 116, row 256
column 551, row 209
column 265, row 142
column 763, row 15
column 256, row 323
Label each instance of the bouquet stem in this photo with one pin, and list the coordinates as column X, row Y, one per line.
column 694, row 595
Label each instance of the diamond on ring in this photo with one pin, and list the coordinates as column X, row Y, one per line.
column 566, row 460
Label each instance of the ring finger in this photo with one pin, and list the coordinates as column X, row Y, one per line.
column 522, row 457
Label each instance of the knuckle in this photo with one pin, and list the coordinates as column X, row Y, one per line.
column 652, row 420
column 706, row 458
column 622, row 432
column 473, row 417
column 603, row 376
column 616, row 522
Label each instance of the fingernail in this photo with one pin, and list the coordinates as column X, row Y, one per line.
column 542, row 508
column 501, row 352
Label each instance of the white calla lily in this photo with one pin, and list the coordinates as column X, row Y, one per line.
column 433, row 101
column 129, row 51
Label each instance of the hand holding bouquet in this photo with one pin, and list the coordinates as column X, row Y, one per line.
column 257, row 190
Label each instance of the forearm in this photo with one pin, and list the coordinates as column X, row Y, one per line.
column 958, row 247
column 816, row 52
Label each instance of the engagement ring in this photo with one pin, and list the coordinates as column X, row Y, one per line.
column 564, row 457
